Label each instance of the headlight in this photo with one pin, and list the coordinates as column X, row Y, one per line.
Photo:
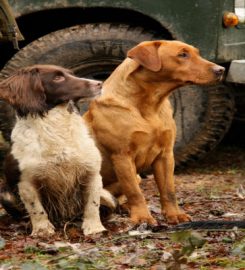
column 240, row 10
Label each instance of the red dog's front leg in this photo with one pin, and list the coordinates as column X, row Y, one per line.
column 163, row 168
column 126, row 174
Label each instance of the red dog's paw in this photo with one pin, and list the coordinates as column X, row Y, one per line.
column 140, row 215
column 177, row 218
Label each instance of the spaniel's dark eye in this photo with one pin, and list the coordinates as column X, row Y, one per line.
column 58, row 78
column 183, row 55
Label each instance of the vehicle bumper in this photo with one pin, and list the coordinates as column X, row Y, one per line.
column 236, row 73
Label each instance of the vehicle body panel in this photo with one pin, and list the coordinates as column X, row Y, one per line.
column 197, row 22
column 231, row 41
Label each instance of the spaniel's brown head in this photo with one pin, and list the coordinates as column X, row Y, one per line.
column 36, row 89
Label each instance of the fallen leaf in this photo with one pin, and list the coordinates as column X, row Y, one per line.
column 158, row 267
column 239, row 248
column 2, row 243
column 190, row 240
column 32, row 266
column 230, row 214
column 134, row 261
column 166, row 256
column 241, row 192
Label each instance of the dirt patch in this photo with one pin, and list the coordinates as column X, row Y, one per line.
column 211, row 190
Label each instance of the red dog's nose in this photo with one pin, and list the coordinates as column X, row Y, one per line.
column 218, row 70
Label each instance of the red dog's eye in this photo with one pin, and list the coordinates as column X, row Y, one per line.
column 183, row 55
column 58, row 78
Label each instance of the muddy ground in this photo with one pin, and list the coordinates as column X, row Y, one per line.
column 213, row 189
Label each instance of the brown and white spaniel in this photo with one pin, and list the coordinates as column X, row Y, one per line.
column 53, row 169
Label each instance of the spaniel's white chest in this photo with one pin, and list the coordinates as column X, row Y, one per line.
column 59, row 136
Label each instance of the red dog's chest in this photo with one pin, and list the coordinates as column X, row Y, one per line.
column 148, row 145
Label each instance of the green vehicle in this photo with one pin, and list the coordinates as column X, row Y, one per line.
column 91, row 37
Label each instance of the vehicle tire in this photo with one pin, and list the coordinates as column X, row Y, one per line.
column 203, row 115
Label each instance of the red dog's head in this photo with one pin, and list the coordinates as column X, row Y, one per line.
column 175, row 61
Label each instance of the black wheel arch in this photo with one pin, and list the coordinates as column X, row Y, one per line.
column 36, row 24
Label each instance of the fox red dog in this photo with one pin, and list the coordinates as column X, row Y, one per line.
column 133, row 123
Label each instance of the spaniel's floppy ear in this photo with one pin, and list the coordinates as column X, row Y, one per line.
column 146, row 54
column 25, row 92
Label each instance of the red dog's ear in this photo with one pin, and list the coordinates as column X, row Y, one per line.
column 146, row 54
column 25, row 92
